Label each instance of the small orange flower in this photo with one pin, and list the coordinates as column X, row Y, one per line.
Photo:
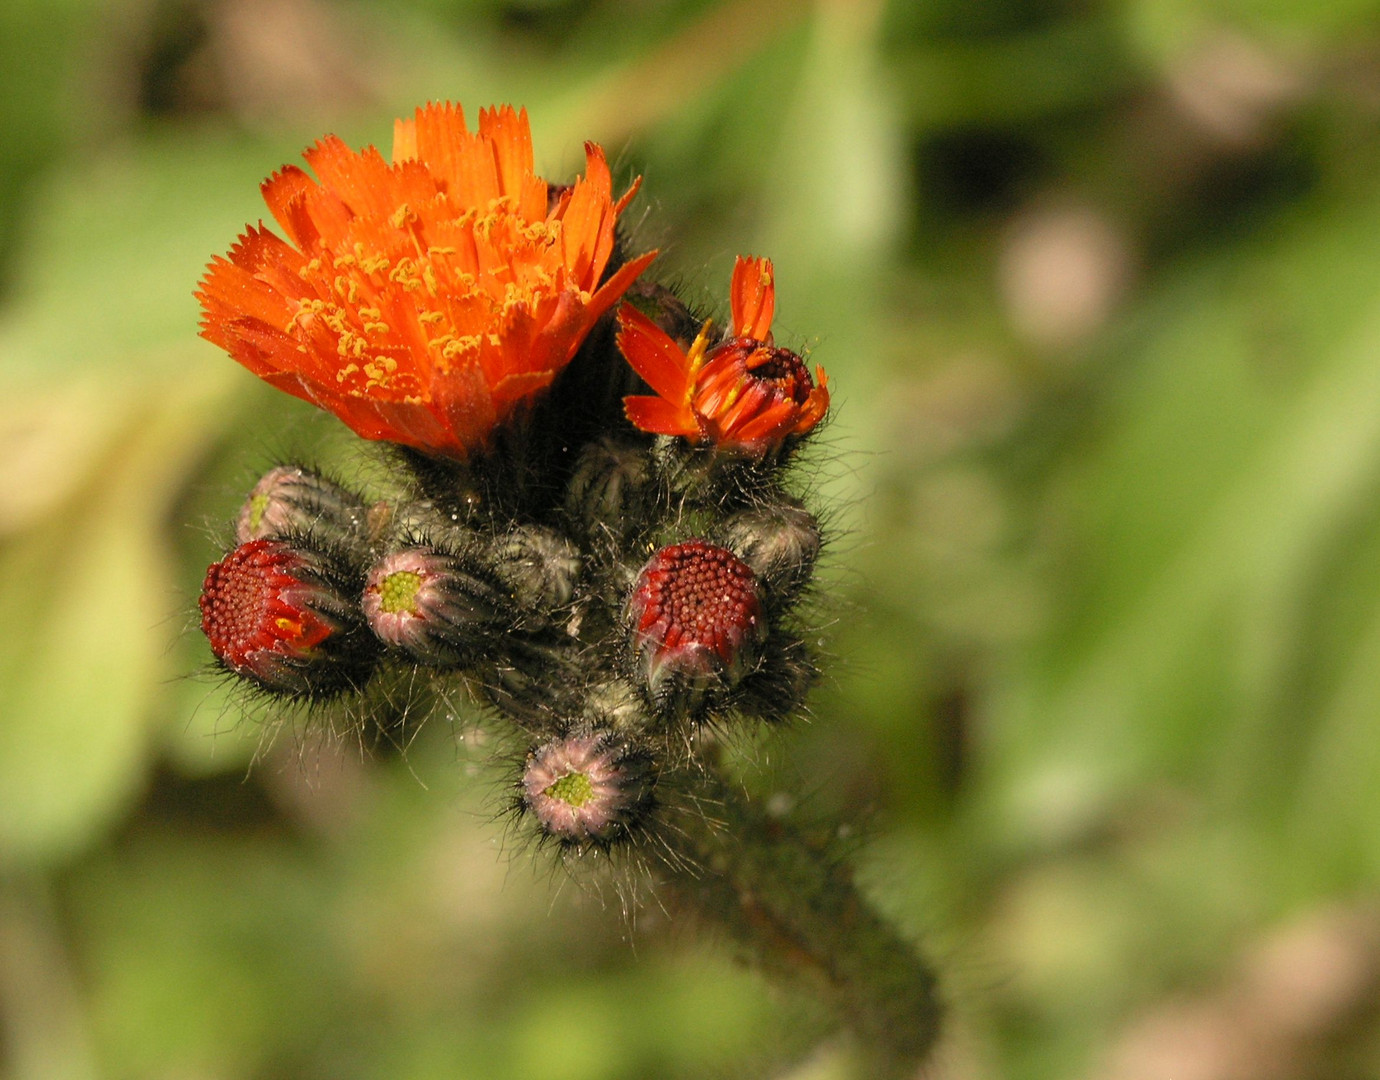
column 744, row 394
column 428, row 298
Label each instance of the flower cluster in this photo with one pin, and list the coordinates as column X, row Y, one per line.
column 607, row 569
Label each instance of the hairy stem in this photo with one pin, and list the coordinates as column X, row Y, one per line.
column 792, row 907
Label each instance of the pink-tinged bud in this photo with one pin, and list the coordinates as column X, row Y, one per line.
column 587, row 788
column 274, row 615
column 696, row 616
column 430, row 604
column 290, row 501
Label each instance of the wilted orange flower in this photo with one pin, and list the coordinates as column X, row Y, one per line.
column 745, row 394
column 427, row 298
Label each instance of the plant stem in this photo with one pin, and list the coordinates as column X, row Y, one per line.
column 791, row 905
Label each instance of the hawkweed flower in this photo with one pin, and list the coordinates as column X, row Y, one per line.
column 424, row 300
column 277, row 614
column 695, row 616
column 745, row 394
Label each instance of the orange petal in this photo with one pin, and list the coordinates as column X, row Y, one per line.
column 404, row 140
column 753, row 298
column 439, row 134
column 363, row 181
column 659, row 417
column 586, row 219
column 653, row 355
column 610, row 291
column 282, row 190
column 511, row 136
column 771, row 426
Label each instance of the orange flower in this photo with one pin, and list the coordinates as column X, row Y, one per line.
column 745, row 394
column 427, row 299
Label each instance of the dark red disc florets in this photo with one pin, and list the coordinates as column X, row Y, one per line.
column 695, row 610
column 780, row 369
column 269, row 615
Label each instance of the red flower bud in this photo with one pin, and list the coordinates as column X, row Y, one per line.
column 273, row 615
column 696, row 614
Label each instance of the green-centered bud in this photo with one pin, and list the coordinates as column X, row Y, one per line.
column 587, row 788
column 291, row 501
column 436, row 607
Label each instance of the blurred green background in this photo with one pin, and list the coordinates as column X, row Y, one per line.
column 1097, row 283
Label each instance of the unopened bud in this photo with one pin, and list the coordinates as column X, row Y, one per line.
column 607, row 491
column 277, row 614
column 291, row 501
column 539, row 565
column 587, row 788
column 696, row 618
column 434, row 606
column 780, row 544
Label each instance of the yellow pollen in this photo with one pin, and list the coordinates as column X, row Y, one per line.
column 573, row 789
column 467, row 344
column 398, row 592
column 429, row 317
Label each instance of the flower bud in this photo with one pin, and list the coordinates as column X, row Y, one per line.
column 539, row 565
column 292, row 501
column 434, row 606
column 277, row 614
column 696, row 618
column 608, row 490
column 779, row 543
column 587, row 788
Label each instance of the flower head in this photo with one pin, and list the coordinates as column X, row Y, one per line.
column 272, row 614
column 425, row 299
column 744, row 394
column 432, row 605
column 586, row 787
column 695, row 613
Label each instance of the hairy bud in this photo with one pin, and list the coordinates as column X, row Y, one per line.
column 539, row 565
column 434, row 606
column 291, row 500
column 607, row 492
column 780, row 543
column 696, row 618
column 279, row 615
column 589, row 787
